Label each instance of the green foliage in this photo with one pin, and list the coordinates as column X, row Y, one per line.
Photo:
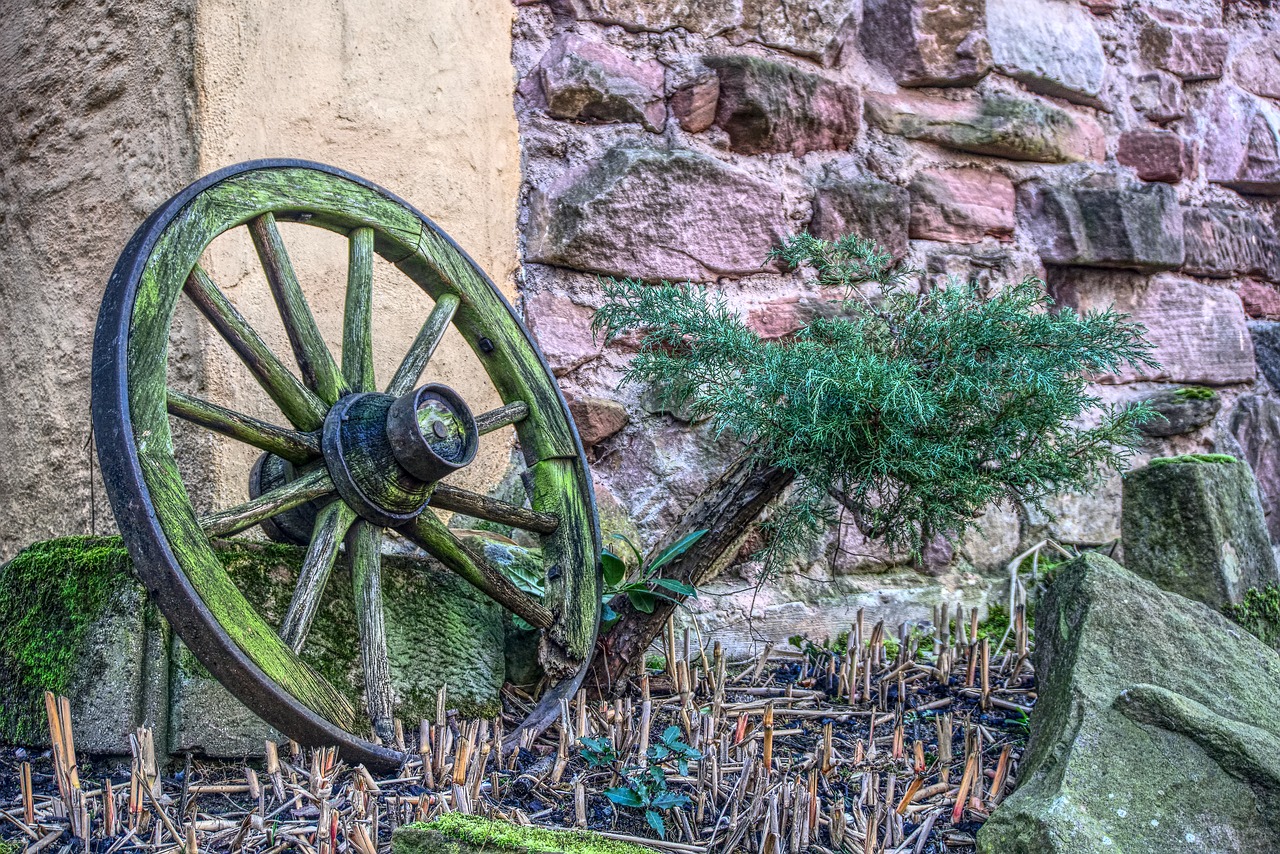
column 50, row 594
column 1259, row 613
column 915, row 408
column 1195, row 392
column 1201, row 459
column 499, row 836
column 645, row 788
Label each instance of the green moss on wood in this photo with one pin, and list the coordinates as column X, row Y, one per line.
column 50, row 595
column 454, row 833
column 1194, row 459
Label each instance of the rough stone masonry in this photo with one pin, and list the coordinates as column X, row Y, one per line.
column 1124, row 152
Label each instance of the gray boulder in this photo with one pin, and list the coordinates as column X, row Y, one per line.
column 1181, row 411
column 1134, row 747
column 1194, row 525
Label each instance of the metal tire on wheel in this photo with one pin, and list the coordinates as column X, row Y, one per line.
column 346, row 461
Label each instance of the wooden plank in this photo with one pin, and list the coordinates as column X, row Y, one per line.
column 494, row 419
column 292, row 445
column 427, row 531
column 298, row 403
column 493, row 509
column 332, row 522
column 572, row 560
column 364, row 553
column 307, row 487
column 319, row 371
column 357, row 318
column 429, row 337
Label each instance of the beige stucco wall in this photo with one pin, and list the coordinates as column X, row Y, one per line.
column 107, row 111
column 415, row 96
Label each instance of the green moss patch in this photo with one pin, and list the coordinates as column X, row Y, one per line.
column 1259, row 612
column 1195, row 459
column 50, row 595
column 1195, row 392
column 454, row 833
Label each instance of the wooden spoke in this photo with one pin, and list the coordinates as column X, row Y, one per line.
column 308, row 487
column 415, row 361
column 364, row 552
column 494, row 419
column 429, row 532
column 332, row 523
column 357, row 319
column 298, row 403
column 319, row 371
column 293, row 446
column 493, row 509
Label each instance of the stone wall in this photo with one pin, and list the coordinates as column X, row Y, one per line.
column 1125, row 153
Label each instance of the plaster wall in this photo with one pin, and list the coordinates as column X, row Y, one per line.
column 107, row 109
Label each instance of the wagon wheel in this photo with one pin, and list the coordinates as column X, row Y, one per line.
column 351, row 460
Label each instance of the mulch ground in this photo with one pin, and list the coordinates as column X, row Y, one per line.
column 871, row 747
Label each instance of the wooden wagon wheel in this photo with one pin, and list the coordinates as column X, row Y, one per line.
column 362, row 460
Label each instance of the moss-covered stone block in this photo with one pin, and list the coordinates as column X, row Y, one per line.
column 1155, row 729
column 454, row 833
column 75, row 620
column 1194, row 525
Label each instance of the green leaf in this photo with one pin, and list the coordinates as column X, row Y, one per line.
column 614, row 569
column 675, row 586
column 669, row 800
column 642, row 601
column 655, row 821
column 624, row 796
column 635, row 551
column 676, row 549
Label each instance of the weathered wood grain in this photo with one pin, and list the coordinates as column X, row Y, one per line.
column 299, row 404
column 428, row 338
column 357, row 316
column 494, row 419
column 292, row 445
column 332, row 522
column 492, row 509
column 319, row 371
column 364, row 554
column 430, row 533
column 307, row 487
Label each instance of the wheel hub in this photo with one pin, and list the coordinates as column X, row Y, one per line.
column 385, row 453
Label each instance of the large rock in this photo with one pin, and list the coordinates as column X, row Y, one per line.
column 770, row 107
column 928, row 43
column 847, row 201
column 597, row 418
column 1180, row 411
column 999, row 124
column 1132, row 748
column 657, row 214
column 79, row 623
column 1049, row 45
column 1158, row 96
column 961, row 205
column 705, row 17
column 1242, row 143
column 1266, row 347
column 1261, row 300
column 587, row 81
column 1198, row 332
column 1194, row 526
column 562, row 329
column 1257, row 66
column 1136, row 228
column 1156, row 155
column 1255, row 424
column 817, row 29
column 1226, row 242
column 1192, row 53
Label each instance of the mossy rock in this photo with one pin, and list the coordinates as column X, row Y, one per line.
column 1194, row 525
column 75, row 620
column 1180, row 411
column 1155, row 729
column 454, row 833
